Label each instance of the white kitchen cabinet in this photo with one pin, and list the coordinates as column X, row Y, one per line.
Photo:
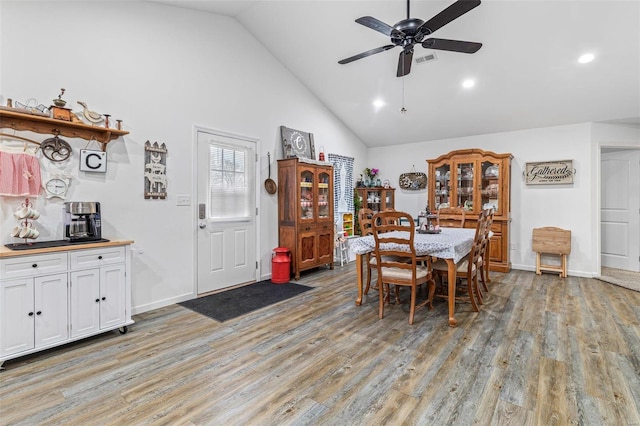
column 98, row 299
column 47, row 299
column 34, row 313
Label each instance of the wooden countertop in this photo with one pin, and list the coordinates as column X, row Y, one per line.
column 7, row 252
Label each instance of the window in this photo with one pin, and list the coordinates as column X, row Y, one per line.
column 229, row 193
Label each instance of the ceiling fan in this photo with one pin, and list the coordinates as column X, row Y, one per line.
column 411, row 31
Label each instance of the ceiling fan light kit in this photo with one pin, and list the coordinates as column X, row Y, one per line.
column 411, row 31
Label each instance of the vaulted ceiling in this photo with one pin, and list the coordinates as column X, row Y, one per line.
column 526, row 74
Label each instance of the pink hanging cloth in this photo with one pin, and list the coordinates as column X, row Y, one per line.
column 19, row 175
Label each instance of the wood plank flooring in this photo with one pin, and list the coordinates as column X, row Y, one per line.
column 543, row 350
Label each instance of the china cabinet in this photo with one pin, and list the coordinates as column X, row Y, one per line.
column 376, row 198
column 475, row 180
column 53, row 296
column 305, row 213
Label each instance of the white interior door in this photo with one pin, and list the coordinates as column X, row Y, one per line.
column 226, row 187
column 620, row 209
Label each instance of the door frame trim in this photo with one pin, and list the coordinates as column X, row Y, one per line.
column 194, row 194
column 599, row 147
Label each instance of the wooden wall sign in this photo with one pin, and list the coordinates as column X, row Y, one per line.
column 296, row 143
column 155, row 171
column 549, row 172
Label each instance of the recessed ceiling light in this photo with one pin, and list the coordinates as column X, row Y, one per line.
column 378, row 103
column 468, row 84
column 586, row 58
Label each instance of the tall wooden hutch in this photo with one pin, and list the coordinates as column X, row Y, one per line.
column 305, row 213
column 475, row 180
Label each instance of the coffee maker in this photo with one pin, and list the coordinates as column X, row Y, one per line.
column 82, row 221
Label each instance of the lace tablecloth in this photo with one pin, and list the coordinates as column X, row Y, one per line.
column 451, row 243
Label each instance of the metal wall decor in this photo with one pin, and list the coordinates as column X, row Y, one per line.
column 155, row 169
column 55, row 149
column 549, row 172
column 296, row 143
column 413, row 181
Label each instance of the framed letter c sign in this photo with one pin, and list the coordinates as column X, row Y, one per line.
column 93, row 161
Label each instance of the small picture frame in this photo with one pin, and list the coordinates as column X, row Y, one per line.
column 297, row 144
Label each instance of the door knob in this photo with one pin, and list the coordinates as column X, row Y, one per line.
column 202, row 225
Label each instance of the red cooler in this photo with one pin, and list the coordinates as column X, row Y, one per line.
column 280, row 265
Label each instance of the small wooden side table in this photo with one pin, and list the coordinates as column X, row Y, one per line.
column 551, row 240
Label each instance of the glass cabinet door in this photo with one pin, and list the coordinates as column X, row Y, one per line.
column 323, row 195
column 443, row 186
column 464, row 188
column 388, row 199
column 490, row 185
column 373, row 200
column 306, row 194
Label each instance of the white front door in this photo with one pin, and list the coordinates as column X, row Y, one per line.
column 226, row 188
column 620, row 209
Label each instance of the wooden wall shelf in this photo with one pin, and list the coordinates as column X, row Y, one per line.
column 45, row 125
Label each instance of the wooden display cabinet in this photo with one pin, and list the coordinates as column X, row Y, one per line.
column 376, row 198
column 475, row 180
column 305, row 213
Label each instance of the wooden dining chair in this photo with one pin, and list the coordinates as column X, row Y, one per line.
column 365, row 219
column 452, row 217
column 485, row 255
column 468, row 268
column 396, row 258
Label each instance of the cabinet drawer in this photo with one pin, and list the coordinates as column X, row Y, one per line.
column 96, row 257
column 29, row 266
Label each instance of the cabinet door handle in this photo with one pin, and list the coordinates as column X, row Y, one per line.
column 97, row 300
column 99, row 257
column 104, row 298
column 308, row 228
column 39, row 313
column 30, row 314
column 35, row 265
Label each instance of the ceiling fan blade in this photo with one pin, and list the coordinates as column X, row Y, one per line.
column 404, row 63
column 452, row 12
column 376, row 24
column 367, row 53
column 452, row 45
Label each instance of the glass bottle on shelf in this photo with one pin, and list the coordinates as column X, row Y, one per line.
column 306, row 195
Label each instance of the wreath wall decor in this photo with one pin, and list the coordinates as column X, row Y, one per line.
column 413, row 181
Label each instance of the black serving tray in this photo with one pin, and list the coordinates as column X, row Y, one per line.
column 49, row 244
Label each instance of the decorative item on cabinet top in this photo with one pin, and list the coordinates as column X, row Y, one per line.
column 549, row 172
column 296, row 143
column 413, row 181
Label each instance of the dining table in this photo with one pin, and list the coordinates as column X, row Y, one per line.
column 450, row 244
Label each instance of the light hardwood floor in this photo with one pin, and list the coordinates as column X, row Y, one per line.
column 543, row 350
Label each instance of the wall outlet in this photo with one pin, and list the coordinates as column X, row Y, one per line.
column 183, row 200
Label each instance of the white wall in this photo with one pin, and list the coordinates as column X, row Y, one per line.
column 574, row 207
column 162, row 70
